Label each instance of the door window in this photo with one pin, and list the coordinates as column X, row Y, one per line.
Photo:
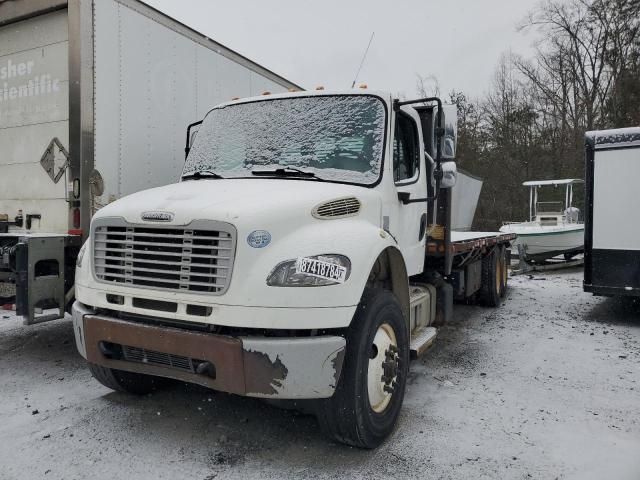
column 405, row 150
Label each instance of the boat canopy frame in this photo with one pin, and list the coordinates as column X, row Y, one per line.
column 533, row 192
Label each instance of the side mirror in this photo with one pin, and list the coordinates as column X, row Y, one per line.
column 450, row 137
column 449, row 174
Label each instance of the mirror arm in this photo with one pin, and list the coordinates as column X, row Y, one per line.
column 187, row 147
column 405, row 198
column 439, row 135
column 439, row 130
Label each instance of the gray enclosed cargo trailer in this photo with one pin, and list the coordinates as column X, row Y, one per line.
column 95, row 97
column 612, row 230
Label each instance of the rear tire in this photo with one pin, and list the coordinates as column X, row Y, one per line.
column 127, row 382
column 491, row 279
column 504, row 270
column 365, row 406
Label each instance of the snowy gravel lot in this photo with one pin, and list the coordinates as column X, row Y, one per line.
column 547, row 387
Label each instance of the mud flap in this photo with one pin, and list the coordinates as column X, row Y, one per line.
column 40, row 278
column 444, row 298
column 444, row 304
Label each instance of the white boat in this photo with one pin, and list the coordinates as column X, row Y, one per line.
column 554, row 227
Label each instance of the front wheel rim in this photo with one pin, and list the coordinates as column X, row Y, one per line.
column 383, row 368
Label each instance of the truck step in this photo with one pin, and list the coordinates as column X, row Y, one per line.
column 421, row 341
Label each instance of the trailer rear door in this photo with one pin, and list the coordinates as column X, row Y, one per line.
column 615, row 253
column 34, row 109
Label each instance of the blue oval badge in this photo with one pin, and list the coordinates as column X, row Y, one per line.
column 259, row 239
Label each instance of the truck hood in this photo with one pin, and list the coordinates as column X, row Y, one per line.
column 249, row 200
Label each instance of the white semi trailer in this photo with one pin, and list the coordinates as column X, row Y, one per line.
column 306, row 254
column 612, row 230
column 94, row 97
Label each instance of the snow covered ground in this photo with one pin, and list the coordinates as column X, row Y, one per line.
column 547, row 386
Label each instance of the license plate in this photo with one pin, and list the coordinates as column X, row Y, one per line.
column 321, row 269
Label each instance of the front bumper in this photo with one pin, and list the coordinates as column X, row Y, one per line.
column 285, row 317
column 283, row 368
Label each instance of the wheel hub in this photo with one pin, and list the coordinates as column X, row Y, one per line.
column 390, row 365
column 383, row 368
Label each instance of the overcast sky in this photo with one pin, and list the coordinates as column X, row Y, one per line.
column 322, row 43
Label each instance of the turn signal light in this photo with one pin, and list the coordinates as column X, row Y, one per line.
column 76, row 188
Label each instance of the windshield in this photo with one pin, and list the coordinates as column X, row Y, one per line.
column 336, row 138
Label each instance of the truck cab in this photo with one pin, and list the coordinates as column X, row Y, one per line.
column 279, row 266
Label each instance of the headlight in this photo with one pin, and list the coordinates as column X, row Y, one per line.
column 315, row 271
column 81, row 254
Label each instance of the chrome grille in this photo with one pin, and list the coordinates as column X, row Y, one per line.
column 171, row 258
column 141, row 355
column 341, row 207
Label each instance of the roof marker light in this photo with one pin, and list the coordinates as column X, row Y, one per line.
column 363, row 86
column 266, row 93
column 319, row 87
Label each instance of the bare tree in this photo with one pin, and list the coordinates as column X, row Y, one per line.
column 427, row 86
column 584, row 75
column 587, row 47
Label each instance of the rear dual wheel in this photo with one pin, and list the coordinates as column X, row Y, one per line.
column 365, row 406
column 494, row 277
column 505, row 260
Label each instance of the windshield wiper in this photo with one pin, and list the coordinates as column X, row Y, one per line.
column 286, row 172
column 202, row 174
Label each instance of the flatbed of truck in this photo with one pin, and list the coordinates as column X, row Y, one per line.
column 464, row 242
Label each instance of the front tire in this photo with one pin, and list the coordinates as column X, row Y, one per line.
column 365, row 406
column 127, row 382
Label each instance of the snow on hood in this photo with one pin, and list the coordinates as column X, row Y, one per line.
column 234, row 200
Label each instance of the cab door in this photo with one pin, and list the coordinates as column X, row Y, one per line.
column 409, row 221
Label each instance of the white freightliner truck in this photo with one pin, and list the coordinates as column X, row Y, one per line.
column 306, row 255
column 93, row 99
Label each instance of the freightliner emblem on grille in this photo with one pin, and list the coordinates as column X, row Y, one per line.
column 157, row 216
